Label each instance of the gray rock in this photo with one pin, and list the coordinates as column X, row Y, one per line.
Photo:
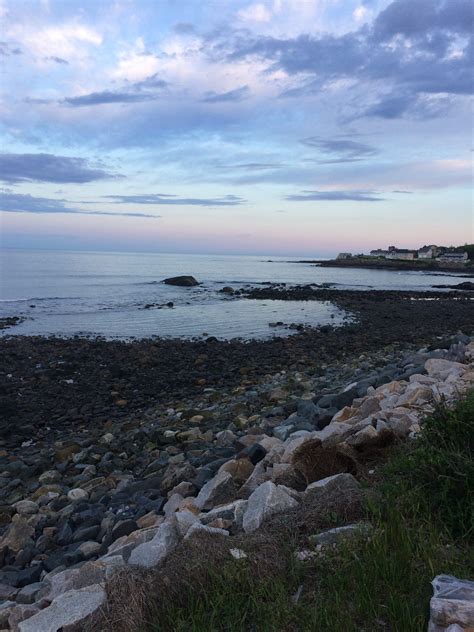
column 68, row 612
column 338, row 534
column 28, row 594
column 200, row 528
column 232, row 511
column 26, row 507
column 334, row 484
column 151, row 553
column 218, row 490
column 267, row 500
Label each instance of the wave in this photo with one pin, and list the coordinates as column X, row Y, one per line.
column 38, row 299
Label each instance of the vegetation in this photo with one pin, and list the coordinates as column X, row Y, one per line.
column 421, row 510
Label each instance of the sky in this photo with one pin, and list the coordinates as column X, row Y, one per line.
column 284, row 127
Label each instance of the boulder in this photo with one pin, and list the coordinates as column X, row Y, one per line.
column 18, row 535
column 239, row 469
column 181, row 281
column 267, row 500
column 440, row 369
column 337, row 485
column 218, row 490
column 68, row 612
column 151, row 553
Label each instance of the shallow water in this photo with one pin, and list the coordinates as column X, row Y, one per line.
column 67, row 293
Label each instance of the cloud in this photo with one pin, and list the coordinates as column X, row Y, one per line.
column 7, row 49
column 58, row 60
column 413, row 48
column 50, row 168
column 68, row 40
column 153, row 81
column 335, row 196
column 343, row 149
column 255, row 13
column 239, row 94
column 20, row 203
column 253, row 166
column 395, row 106
column 184, row 28
column 107, row 97
column 173, row 200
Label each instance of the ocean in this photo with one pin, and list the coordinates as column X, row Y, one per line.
column 104, row 293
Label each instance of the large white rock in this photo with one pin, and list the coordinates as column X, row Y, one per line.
column 218, row 490
column 68, row 612
column 416, row 395
column 151, row 553
column 439, row 368
column 267, row 500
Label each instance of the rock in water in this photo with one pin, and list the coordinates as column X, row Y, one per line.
column 182, row 281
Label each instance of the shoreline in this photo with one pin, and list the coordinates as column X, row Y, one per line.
column 420, row 266
column 64, row 382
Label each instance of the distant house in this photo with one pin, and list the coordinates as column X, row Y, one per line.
column 453, row 256
column 344, row 255
column 379, row 253
column 429, row 252
column 401, row 253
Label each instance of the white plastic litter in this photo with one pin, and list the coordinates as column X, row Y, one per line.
column 452, row 605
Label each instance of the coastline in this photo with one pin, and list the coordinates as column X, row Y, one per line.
column 62, row 382
column 385, row 264
column 102, row 441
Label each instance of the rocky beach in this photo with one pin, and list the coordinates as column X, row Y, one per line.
column 111, row 452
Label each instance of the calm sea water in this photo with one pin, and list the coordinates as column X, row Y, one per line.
column 67, row 293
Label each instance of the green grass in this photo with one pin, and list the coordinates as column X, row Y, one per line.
column 422, row 517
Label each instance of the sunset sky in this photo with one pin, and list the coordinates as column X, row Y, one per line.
column 292, row 127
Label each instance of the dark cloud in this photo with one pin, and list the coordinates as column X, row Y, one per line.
column 417, row 107
column 402, row 191
column 239, row 94
column 7, row 49
column 343, row 149
column 414, row 48
column 184, row 28
column 412, row 19
column 58, row 60
column 107, row 97
column 50, row 168
column 19, row 203
column 168, row 200
column 151, row 82
column 335, row 196
column 251, row 166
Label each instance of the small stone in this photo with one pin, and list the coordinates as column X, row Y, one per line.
column 197, row 527
column 77, row 494
column 238, row 554
column 26, row 507
column 89, row 549
column 49, row 477
column 338, row 534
